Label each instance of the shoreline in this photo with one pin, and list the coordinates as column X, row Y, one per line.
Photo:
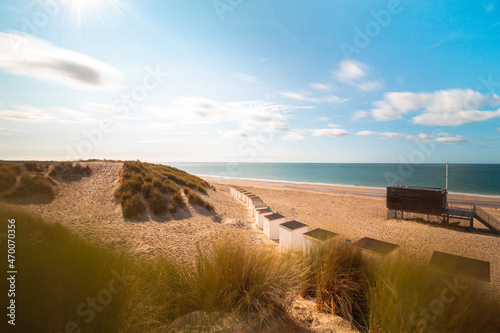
column 344, row 189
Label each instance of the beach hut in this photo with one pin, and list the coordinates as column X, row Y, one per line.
column 374, row 249
column 290, row 235
column 271, row 225
column 243, row 195
column 252, row 201
column 259, row 217
column 239, row 193
column 318, row 237
column 471, row 272
column 248, row 197
column 261, row 205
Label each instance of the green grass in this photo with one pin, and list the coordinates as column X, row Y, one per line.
column 196, row 199
column 146, row 178
column 57, row 273
column 32, row 185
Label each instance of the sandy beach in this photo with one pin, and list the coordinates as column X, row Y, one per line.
column 88, row 208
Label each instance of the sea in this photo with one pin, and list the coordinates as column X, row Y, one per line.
column 477, row 179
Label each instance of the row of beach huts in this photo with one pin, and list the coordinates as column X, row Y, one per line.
column 296, row 237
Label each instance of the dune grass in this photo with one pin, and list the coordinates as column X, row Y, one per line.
column 7, row 177
column 230, row 285
column 57, row 274
column 406, row 297
column 32, row 185
column 337, row 278
column 147, row 180
column 196, row 199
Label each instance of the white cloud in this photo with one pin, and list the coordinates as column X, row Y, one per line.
column 234, row 134
column 333, row 125
column 336, row 132
column 442, row 108
column 29, row 113
column 293, row 136
column 246, row 77
column 304, row 96
column 355, row 73
column 365, row 133
column 249, row 115
column 326, row 119
column 444, row 138
column 320, row 87
column 27, row 55
column 358, row 115
column 390, row 135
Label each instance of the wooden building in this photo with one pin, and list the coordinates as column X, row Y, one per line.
column 290, row 235
column 421, row 200
column 377, row 250
column 271, row 225
column 318, row 237
column 260, row 205
column 471, row 272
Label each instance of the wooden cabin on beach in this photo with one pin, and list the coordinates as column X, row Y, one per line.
column 374, row 249
column 290, row 235
column 271, row 225
column 318, row 237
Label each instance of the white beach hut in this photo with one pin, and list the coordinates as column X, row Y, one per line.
column 377, row 250
column 260, row 205
column 473, row 273
column 252, row 201
column 290, row 235
column 319, row 237
column 271, row 225
column 259, row 217
column 243, row 195
column 249, row 197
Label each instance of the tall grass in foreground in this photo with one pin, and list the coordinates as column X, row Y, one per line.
column 32, row 185
column 407, row 298
column 59, row 274
column 338, row 279
column 230, row 287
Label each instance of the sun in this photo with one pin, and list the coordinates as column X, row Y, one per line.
column 83, row 10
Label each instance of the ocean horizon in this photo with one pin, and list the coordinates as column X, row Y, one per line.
column 477, row 179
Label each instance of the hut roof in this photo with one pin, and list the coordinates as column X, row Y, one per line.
column 265, row 210
column 470, row 267
column 375, row 246
column 256, row 198
column 274, row 216
column 293, row 225
column 320, row 234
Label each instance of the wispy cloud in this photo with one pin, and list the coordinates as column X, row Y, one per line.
column 320, row 86
column 304, row 96
column 335, row 132
column 27, row 113
column 234, row 134
column 355, row 73
column 246, row 77
column 293, row 136
column 31, row 56
column 358, row 115
column 391, row 135
column 441, row 108
column 444, row 138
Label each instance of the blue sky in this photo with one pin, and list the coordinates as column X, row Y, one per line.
column 250, row 81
